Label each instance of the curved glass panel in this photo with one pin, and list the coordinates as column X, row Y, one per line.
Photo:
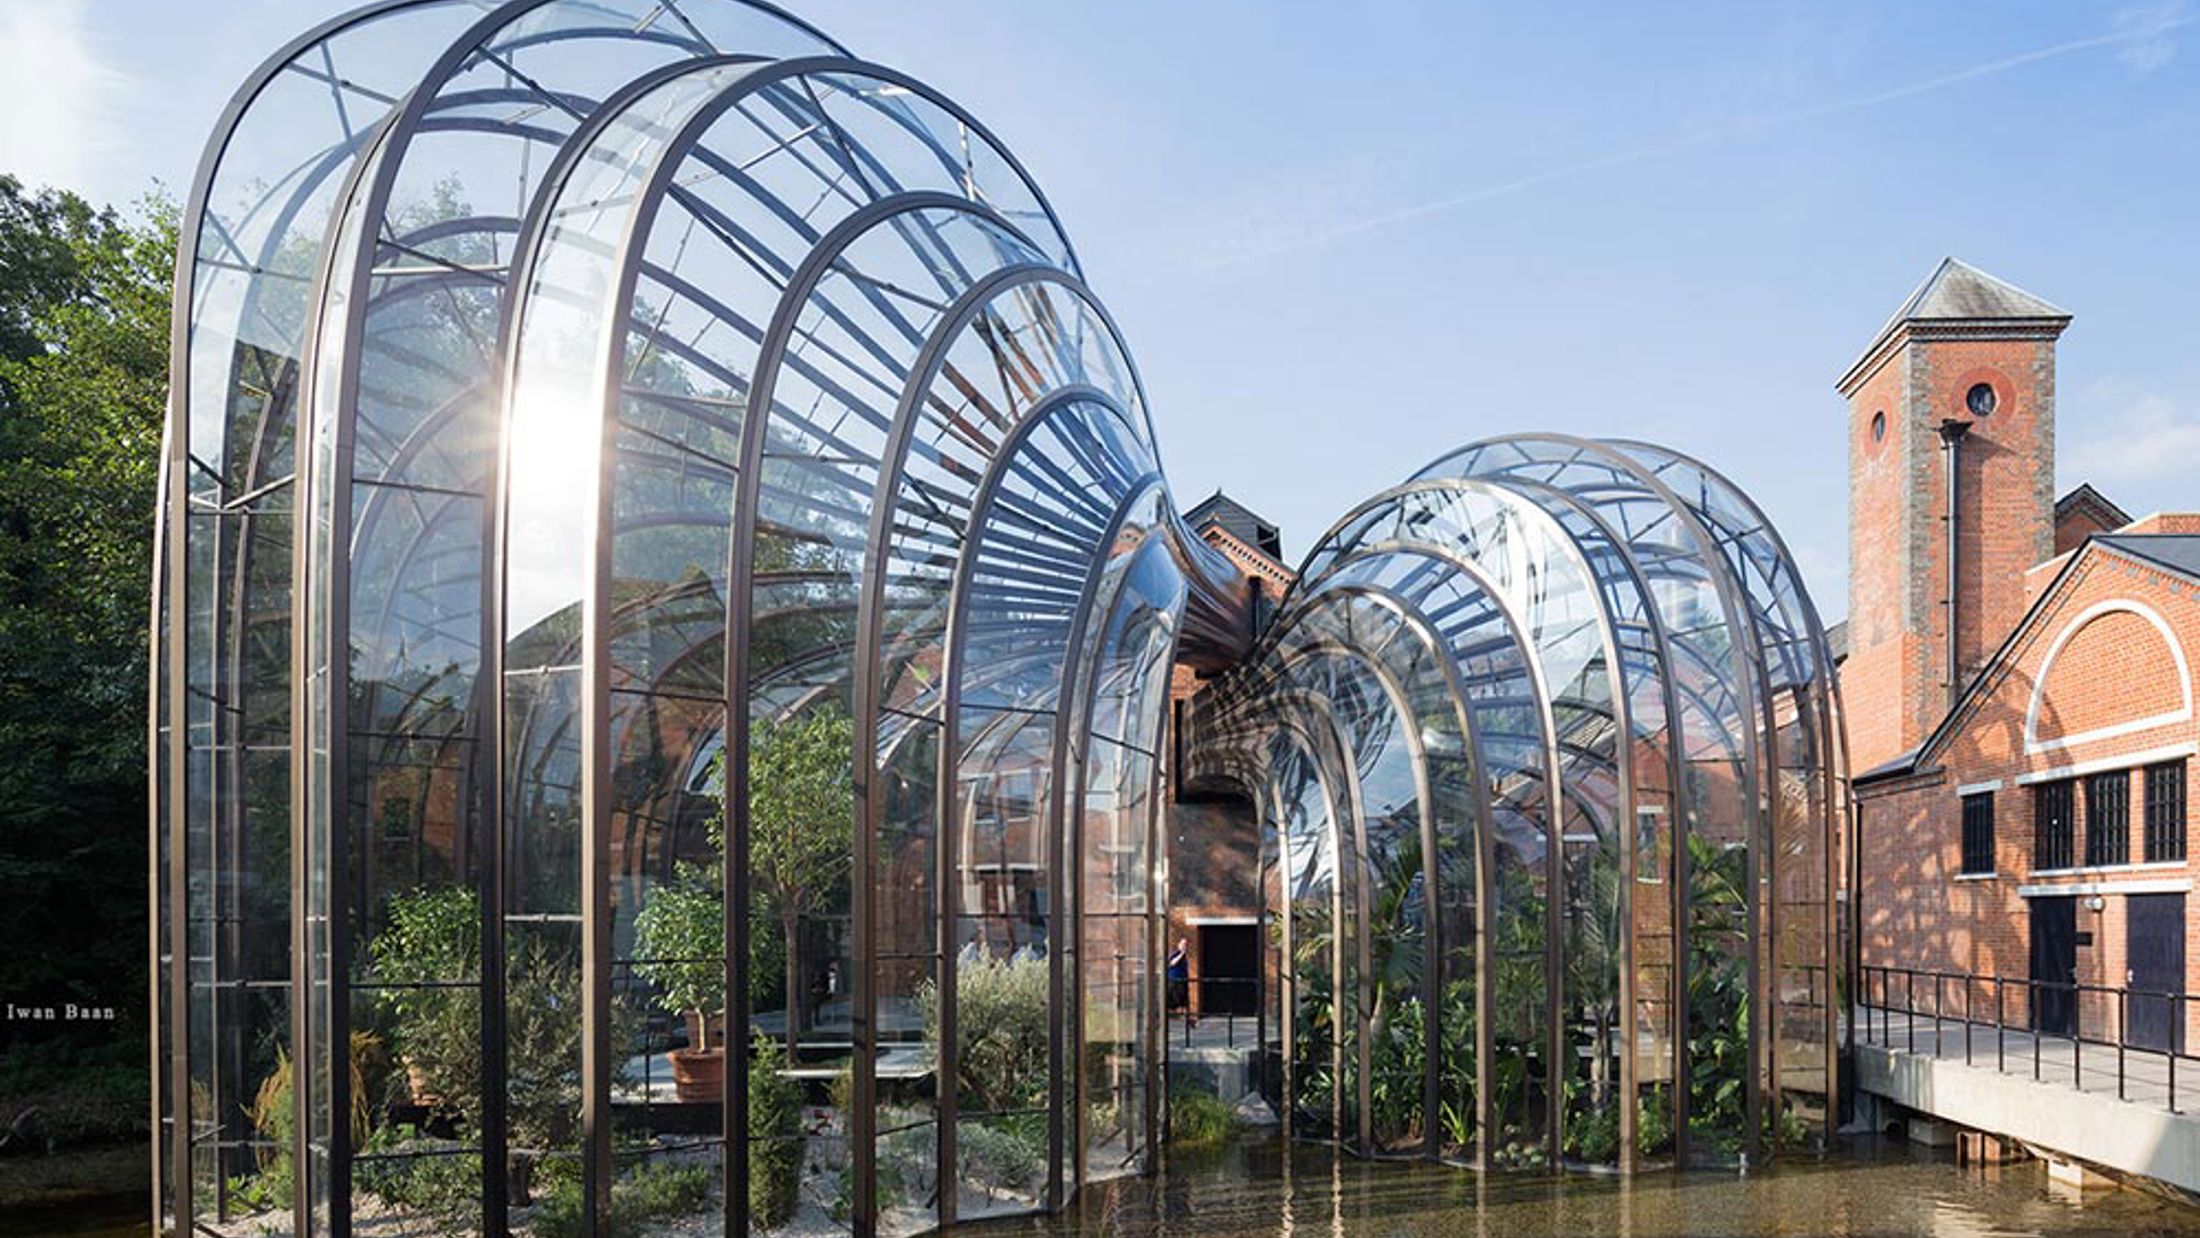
column 250, row 253
column 1718, row 851
column 1638, row 672
column 1803, row 935
column 737, row 622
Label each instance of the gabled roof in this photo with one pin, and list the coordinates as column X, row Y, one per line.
column 1959, row 299
column 1956, row 289
column 2178, row 553
column 2086, row 499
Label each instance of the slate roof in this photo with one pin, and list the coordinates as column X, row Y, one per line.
column 2177, row 552
column 1958, row 290
column 1239, row 522
column 2086, row 496
column 1959, row 294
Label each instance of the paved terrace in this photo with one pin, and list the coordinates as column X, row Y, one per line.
column 2087, row 1101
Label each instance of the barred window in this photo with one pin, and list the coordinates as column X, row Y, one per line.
column 2052, row 826
column 2165, row 812
column 1978, row 833
column 2108, row 818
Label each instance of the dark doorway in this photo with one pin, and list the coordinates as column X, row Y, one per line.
column 1229, row 969
column 2054, row 965
column 2154, row 949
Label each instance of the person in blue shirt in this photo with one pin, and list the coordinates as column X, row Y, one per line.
column 1180, row 980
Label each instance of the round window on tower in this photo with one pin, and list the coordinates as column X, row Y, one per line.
column 1879, row 426
column 1980, row 400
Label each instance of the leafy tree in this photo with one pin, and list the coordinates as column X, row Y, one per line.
column 84, row 297
column 801, row 825
column 679, row 930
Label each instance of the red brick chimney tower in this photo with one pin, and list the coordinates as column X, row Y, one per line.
column 1951, row 497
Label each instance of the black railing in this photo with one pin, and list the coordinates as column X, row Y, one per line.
column 1205, row 1001
column 2042, row 1012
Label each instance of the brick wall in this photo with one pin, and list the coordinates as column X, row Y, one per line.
column 1916, row 910
column 2165, row 522
column 2006, row 480
column 1897, row 681
column 1884, row 627
column 2072, row 530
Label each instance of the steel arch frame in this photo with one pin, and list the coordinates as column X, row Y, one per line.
column 1079, row 622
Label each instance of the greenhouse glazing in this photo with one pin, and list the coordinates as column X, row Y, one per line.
column 665, row 609
column 1546, row 750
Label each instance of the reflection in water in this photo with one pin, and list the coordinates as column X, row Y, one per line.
column 1261, row 1187
column 1867, row 1187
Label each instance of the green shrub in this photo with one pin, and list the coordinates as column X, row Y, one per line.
column 907, row 1151
column 649, row 1192
column 1001, row 1012
column 1654, row 1121
column 905, row 1159
column 1198, row 1118
column 1397, row 1060
column 1592, row 1129
column 1003, row 1154
column 433, row 938
column 274, row 1117
column 433, row 1176
column 1718, row 996
column 775, row 1131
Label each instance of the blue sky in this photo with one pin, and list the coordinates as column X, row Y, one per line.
column 1345, row 237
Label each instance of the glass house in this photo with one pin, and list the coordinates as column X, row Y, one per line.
column 666, row 604
column 1546, row 751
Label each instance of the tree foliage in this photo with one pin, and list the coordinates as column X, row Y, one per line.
column 84, row 299
column 801, row 825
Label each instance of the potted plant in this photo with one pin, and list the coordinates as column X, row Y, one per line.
column 679, row 931
column 429, row 948
column 801, row 801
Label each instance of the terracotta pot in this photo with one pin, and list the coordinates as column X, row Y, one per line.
column 699, row 1076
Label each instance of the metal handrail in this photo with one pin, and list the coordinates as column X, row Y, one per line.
column 1882, row 980
column 1189, row 1011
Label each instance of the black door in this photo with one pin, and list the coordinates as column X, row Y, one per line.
column 2054, row 964
column 2154, row 947
column 1229, row 968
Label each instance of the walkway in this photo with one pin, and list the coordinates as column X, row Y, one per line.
column 2088, row 1101
column 1216, row 1031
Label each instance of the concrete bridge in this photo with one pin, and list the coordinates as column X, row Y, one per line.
column 2089, row 1102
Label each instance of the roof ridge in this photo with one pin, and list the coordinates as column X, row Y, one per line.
column 2041, row 307
column 1956, row 292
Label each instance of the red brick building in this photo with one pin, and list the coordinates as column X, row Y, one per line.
column 2018, row 682
column 1214, row 835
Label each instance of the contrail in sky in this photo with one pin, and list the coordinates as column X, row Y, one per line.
column 2127, row 32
